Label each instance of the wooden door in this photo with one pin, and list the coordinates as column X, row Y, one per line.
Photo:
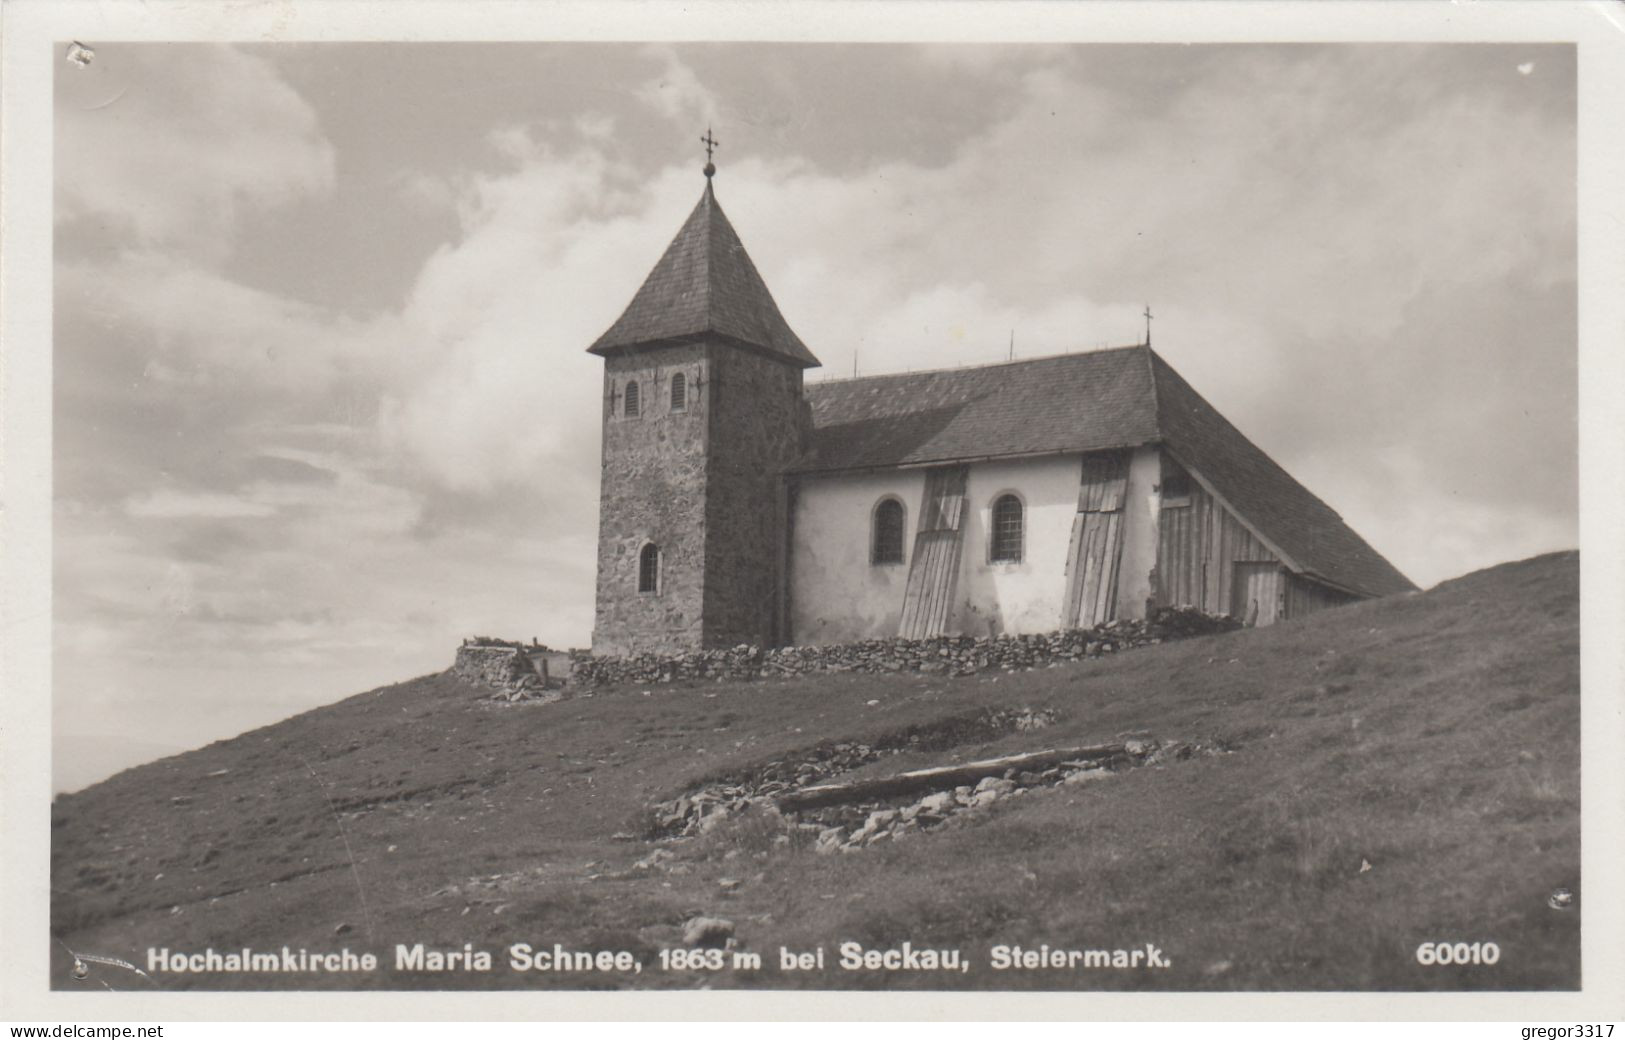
column 1097, row 541
column 933, row 572
column 1256, row 593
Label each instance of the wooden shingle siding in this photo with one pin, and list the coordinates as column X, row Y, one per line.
column 1257, row 592
column 1181, row 562
column 934, row 572
column 1307, row 532
column 1105, row 478
column 1097, row 541
column 1304, row 596
column 1230, row 543
column 1198, row 549
column 1197, row 544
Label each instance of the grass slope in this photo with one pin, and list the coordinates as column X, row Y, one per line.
column 1434, row 737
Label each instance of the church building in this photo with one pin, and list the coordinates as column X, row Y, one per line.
column 741, row 505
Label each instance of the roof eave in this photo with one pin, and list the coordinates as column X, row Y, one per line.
column 618, row 349
column 1252, row 528
column 965, row 460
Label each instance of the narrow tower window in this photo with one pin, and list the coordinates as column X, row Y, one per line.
column 649, row 568
column 886, row 541
column 679, row 393
column 632, row 398
column 1006, row 547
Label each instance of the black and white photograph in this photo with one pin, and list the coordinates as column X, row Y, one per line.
column 1027, row 516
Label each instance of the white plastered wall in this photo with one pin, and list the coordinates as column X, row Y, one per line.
column 1141, row 504
column 836, row 594
column 1017, row 598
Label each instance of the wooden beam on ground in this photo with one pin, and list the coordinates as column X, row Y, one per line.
column 939, row 778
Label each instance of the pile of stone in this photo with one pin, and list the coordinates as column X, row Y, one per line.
column 855, row 815
column 703, row 808
column 510, row 669
column 854, row 826
column 941, row 655
column 699, row 811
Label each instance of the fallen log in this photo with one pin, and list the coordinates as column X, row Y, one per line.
column 939, row 778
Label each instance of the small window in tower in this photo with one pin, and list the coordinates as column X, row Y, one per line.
column 886, row 541
column 679, row 393
column 1007, row 530
column 631, row 408
column 649, row 568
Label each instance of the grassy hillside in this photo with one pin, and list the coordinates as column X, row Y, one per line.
column 1397, row 772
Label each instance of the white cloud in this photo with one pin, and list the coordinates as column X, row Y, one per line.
column 595, row 126
column 491, row 385
column 676, row 91
column 424, row 190
column 168, row 145
column 180, row 505
column 209, row 332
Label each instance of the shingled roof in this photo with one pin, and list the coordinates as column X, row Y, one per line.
column 1304, row 530
column 1093, row 401
column 704, row 284
column 1076, row 402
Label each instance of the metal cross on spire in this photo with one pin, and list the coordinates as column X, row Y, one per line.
column 710, row 145
column 1148, row 324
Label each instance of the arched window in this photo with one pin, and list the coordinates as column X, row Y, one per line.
column 886, row 537
column 649, row 568
column 679, row 393
column 631, row 399
column 1007, row 530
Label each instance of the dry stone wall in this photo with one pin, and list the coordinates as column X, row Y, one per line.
column 514, row 671
column 491, row 665
column 947, row 655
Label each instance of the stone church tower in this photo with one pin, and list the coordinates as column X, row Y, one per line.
column 703, row 413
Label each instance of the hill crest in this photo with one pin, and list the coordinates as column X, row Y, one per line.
column 1431, row 737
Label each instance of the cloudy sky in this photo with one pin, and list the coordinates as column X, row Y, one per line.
column 322, row 406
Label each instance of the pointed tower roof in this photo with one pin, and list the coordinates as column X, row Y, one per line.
column 705, row 283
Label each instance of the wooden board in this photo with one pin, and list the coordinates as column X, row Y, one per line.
column 1097, row 541
column 1196, row 546
column 1258, row 593
column 1104, row 482
column 933, row 572
column 1181, row 561
column 943, row 778
column 1305, row 597
column 1102, row 548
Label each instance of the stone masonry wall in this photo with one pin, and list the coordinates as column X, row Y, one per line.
column 514, row 671
column 758, row 425
column 653, row 489
column 947, row 655
column 492, row 665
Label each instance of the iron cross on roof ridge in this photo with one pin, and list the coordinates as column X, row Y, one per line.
column 710, row 145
